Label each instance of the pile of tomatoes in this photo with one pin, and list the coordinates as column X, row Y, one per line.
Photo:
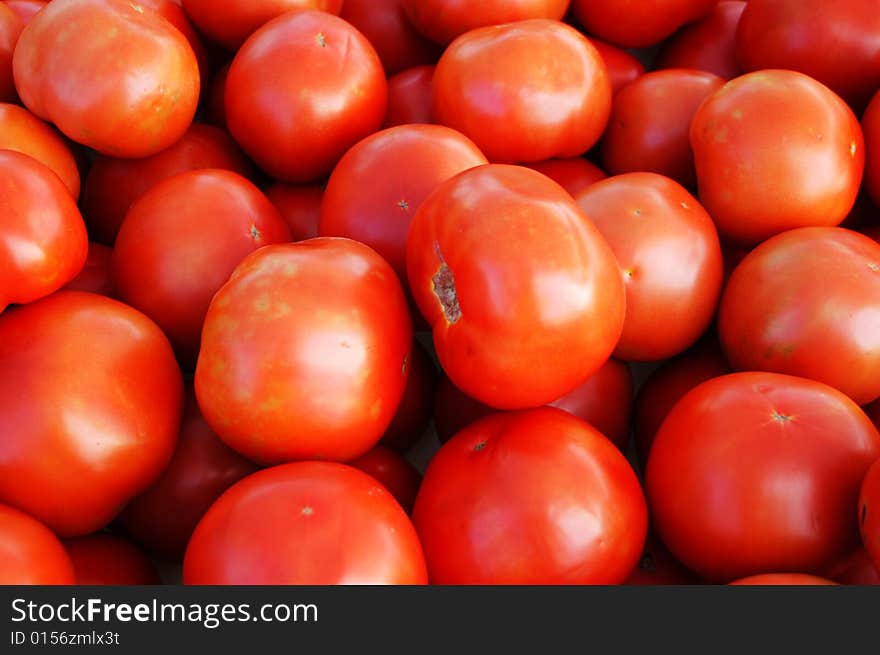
column 258, row 257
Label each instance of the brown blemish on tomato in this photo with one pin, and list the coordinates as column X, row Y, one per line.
column 444, row 288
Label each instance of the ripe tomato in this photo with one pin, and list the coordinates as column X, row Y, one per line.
column 90, row 400
column 305, row 352
column 25, row 9
column 658, row 567
column 869, row 513
column 416, row 406
column 299, row 206
column 525, row 91
column 379, row 185
column 786, row 579
column 531, row 497
column 396, row 474
column 298, row 136
column 574, row 174
column 43, row 241
column 806, row 303
column 313, row 523
column 83, row 90
column 707, row 45
column 855, row 569
column 29, row 553
column 754, row 472
column 668, row 249
column 171, row 11
column 753, row 192
column 409, row 97
column 105, row 559
column 112, row 185
column 10, row 29
column 180, row 242
column 524, row 296
column 871, row 126
column 650, row 123
column 623, row 67
column 637, row 24
column 162, row 518
column 97, row 274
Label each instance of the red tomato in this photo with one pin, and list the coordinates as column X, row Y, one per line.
column 574, row 174
column 43, row 241
column 784, row 579
column 299, row 206
column 532, row 497
column 416, row 406
column 524, row 91
column 113, row 185
column 29, row 553
column 25, row 9
column 650, row 124
column 162, row 518
column 637, row 24
column 668, row 249
column 292, row 135
column 409, row 97
column 836, row 43
column 84, row 91
column 97, row 274
column 313, row 523
column 379, row 185
column 105, row 559
column 806, row 303
column 524, row 296
column 871, row 126
column 215, row 106
column 10, row 29
column 755, row 472
column 305, row 352
column 443, row 20
column 171, row 11
column 658, row 567
column 23, row 132
column 180, row 242
column 90, row 400
column 753, row 191
column 707, row 45
column 623, row 68
column 869, row 513
column 396, row 474
column 856, row 569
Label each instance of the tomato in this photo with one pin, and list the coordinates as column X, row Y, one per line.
column 668, row 250
column 806, row 303
column 658, row 567
column 707, row 45
column 82, row 89
column 305, row 352
column 443, row 20
column 25, row 9
column 215, row 105
column 752, row 191
column 231, row 22
column 43, row 241
column 623, row 67
column 785, row 579
column 105, row 559
column 112, row 185
column 10, row 29
column 292, row 135
column 397, row 475
column 378, row 186
column 386, row 26
column 29, row 553
column 180, row 242
column 836, row 43
column 871, row 126
column 313, row 523
column 524, row 296
column 416, row 406
column 530, row 497
column 90, row 401
column 524, row 91
column 756, row 472
column 162, row 518
column 637, row 24
column 299, row 206
column 97, row 274
column 856, row 569
column 574, row 174
column 171, row 11
column 650, row 122
column 869, row 513
column 409, row 97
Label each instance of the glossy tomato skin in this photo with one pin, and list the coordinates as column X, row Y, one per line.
column 637, row 24
column 96, row 275
column 869, row 513
column 313, row 523
column 707, row 45
column 657, row 566
column 784, row 579
column 574, row 174
column 396, row 474
column 525, row 91
column 668, row 249
column 305, row 352
column 112, row 184
column 871, row 127
column 524, row 296
column 79, row 88
column 410, row 97
column 43, row 241
column 180, row 242
column 171, row 11
column 756, row 472
column 623, row 68
column 162, row 518
column 297, row 137
column 531, row 497
column 93, row 382
column 105, row 559
column 25, row 9
column 30, row 554
column 417, row 405
column 10, row 30
column 378, row 186
column 753, row 192
column 23, row 132
column 299, row 206
column 804, row 303
column 649, row 127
